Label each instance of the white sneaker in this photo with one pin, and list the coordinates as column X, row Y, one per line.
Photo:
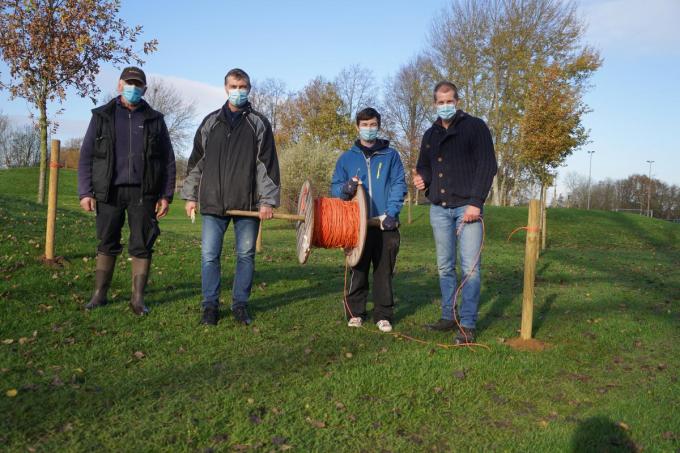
column 384, row 325
column 354, row 322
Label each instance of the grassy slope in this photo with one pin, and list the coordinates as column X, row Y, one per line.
column 606, row 298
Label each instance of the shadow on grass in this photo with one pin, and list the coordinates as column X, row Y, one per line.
column 599, row 434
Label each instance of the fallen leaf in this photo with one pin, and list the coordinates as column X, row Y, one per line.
column 8, row 341
column 438, row 390
column 624, row 426
column 316, row 423
column 139, row 355
column 460, row 374
column 219, row 438
column 11, row 393
column 278, row 440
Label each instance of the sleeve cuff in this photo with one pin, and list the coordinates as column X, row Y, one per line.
column 478, row 202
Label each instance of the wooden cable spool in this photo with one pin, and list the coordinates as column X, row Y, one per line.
column 306, row 221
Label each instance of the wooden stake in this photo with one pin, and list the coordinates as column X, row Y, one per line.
column 52, row 201
column 258, row 243
column 530, row 269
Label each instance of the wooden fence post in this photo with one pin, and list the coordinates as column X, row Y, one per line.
column 530, row 269
column 258, row 243
column 52, row 201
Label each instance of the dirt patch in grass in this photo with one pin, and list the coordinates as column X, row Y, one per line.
column 527, row 345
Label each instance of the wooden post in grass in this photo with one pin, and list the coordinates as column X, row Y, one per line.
column 530, row 269
column 52, row 201
column 258, row 243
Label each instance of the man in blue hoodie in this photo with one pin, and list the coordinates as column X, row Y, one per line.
column 372, row 163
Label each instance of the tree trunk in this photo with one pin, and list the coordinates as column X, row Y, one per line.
column 495, row 192
column 42, row 121
column 541, row 208
column 410, row 202
column 544, row 217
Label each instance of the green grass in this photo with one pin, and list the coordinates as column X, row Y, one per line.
column 607, row 296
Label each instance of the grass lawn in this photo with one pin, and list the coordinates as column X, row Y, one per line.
column 607, row 300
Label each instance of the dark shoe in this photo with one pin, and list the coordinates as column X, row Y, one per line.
column 465, row 336
column 443, row 325
column 210, row 316
column 241, row 315
column 140, row 275
column 102, row 280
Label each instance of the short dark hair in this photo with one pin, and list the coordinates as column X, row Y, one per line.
column 238, row 74
column 367, row 114
column 445, row 86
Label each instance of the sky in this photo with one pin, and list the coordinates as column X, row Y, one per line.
column 634, row 97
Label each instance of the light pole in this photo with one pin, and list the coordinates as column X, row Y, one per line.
column 590, row 168
column 649, row 188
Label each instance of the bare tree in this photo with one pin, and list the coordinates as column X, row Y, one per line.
column 180, row 113
column 408, row 111
column 269, row 97
column 4, row 137
column 22, row 147
column 356, row 87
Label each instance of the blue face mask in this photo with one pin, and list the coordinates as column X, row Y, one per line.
column 446, row 111
column 132, row 94
column 368, row 134
column 238, row 97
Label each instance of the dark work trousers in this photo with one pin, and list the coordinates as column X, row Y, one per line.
column 141, row 214
column 381, row 249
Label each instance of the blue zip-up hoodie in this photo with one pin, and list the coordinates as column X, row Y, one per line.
column 381, row 173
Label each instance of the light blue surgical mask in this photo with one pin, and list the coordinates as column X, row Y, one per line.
column 238, row 97
column 446, row 111
column 132, row 93
column 368, row 134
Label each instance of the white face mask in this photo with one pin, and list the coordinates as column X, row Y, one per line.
column 238, row 96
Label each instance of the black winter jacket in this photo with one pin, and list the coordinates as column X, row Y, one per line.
column 233, row 164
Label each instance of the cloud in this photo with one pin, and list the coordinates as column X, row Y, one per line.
column 638, row 28
column 207, row 97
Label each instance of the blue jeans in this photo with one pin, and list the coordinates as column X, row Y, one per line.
column 448, row 233
column 213, row 230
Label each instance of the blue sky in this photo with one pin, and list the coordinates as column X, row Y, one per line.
column 635, row 96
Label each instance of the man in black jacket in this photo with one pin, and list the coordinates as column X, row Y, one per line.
column 456, row 167
column 127, row 165
column 233, row 166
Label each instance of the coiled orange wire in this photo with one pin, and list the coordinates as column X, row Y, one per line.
column 336, row 223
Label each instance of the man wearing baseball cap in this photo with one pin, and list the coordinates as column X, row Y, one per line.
column 127, row 166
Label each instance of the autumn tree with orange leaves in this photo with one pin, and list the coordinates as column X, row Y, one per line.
column 52, row 45
column 551, row 128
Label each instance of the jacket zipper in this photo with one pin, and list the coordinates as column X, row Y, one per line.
column 219, row 174
column 370, row 187
column 130, row 148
